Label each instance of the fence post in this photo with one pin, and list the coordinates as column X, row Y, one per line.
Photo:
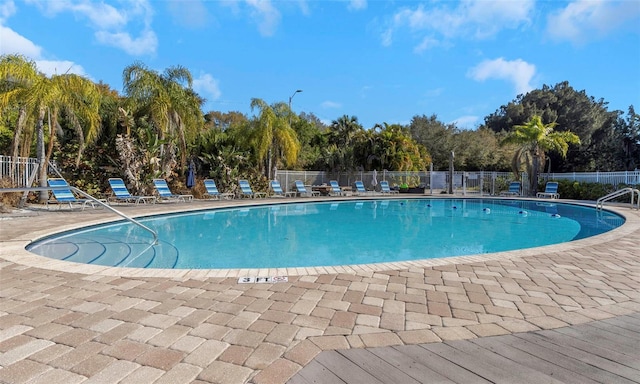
column 431, row 178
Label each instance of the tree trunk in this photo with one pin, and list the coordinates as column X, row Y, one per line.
column 52, row 139
column 42, row 169
column 22, row 117
column 533, row 182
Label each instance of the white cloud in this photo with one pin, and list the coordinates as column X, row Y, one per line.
column 112, row 25
column 466, row 122
column 518, row 72
column 266, row 15
column 207, row 86
column 146, row 43
column 581, row 20
column 13, row 43
column 477, row 19
column 50, row 67
column 193, row 16
column 7, row 9
column 357, row 5
column 426, row 43
column 330, row 105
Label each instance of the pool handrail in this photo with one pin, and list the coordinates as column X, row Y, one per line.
column 618, row 193
column 88, row 196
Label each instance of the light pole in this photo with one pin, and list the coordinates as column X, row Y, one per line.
column 291, row 98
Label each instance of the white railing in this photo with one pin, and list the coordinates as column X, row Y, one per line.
column 19, row 170
column 613, row 178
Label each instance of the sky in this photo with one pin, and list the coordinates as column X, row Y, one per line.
column 380, row 61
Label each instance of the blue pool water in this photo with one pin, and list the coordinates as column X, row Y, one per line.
column 330, row 233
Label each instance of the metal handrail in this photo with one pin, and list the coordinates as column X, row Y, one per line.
column 88, row 196
column 618, row 193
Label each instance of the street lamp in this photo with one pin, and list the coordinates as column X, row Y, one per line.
column 291, row 98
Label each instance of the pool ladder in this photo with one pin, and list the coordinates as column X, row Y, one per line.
column 621, row 192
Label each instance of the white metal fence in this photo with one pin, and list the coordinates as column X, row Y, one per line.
column 21, row 169
column 465, row 183
column 613, row 178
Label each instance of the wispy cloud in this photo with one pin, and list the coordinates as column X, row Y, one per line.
column 583, row 20
column 357, row 5
column 330, row 105
column 466, row 122
column 518, row 72
column 59, row 67
column 7, row 9
column 265, row 14
column 474, row 19
column 207, row 86
column 111, row 25
column 146, row 43
column 193, row 15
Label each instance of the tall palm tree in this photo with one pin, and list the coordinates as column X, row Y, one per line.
column 273, row 138
column 169, row 100
column 535, row 139
column 342, row 136
column 49, row 97
column 17, row 75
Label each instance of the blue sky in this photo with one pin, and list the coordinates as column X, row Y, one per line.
column 381, row 61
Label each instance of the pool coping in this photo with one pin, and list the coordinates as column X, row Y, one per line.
column 13, row 249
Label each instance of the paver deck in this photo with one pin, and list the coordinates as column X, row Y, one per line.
column 72, row 323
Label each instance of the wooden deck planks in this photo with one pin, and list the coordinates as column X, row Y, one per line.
column 616, row 372
column 605, row 351
column 525, row 358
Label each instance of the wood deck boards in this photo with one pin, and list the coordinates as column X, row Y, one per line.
column 605, row 351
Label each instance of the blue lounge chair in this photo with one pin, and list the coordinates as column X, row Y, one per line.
column 550, row 191
column 514, row 189
column 165, row 193
column 212, row 191
column 384, row 188
column 246, row 191
column 278, row 192
column 63, row 195
column 121, row 193
column 302, row 190
column 336, row 190
column 361, row 190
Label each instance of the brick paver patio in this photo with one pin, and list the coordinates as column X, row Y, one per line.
column 70, row 323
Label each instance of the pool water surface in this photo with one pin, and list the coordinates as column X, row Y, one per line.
column 329, row 233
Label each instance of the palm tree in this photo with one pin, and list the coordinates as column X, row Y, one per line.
column 273, row 138
column 535, row 139
column 17, row 75
column 169, row 101
column 38, row 96
column 342, row 136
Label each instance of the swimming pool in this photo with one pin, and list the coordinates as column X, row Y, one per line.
column 329, row 233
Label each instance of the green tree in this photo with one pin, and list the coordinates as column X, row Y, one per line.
column 39, row 97
column 574, row 111
column 534, row 140
column 438, row 138
column 309, row 130
column 273, row 138
column 170, row 103
column 342, row 136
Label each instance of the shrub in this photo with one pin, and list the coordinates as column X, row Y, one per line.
column 576, row 190
column 8, row 200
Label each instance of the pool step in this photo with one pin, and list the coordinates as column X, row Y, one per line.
column 110, row 251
